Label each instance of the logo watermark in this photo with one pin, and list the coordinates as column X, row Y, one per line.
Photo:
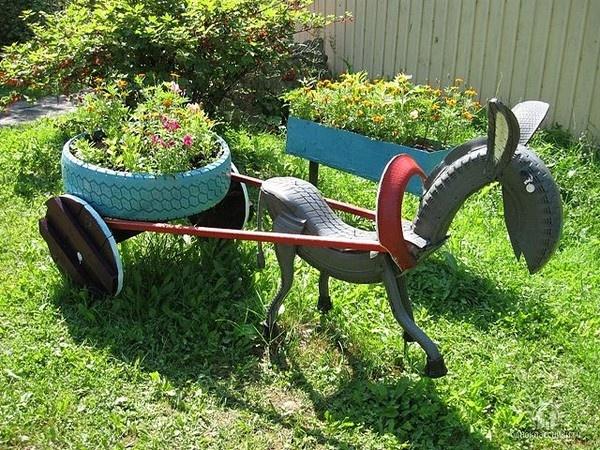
column 547, row 423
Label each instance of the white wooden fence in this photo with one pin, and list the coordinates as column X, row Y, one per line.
column 512, row 49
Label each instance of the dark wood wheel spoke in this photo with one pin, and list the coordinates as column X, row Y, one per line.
column 81, row 244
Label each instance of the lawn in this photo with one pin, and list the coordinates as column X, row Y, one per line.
column 176, row 361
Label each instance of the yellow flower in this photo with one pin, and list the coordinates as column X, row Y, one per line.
column 414, row 114
column 459, row 81
column 435, row 107
column 437, row 92
column 471, row 92
column 451, row 101
column 467, row 115
column 377, row 119
column 122, row 84
column 402, row 78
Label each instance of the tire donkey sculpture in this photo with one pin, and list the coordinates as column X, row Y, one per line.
column 532, row 211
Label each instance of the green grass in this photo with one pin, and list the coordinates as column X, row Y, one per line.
column 176, row 360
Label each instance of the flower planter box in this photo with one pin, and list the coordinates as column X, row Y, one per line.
column 144, row 196
column 352, row 152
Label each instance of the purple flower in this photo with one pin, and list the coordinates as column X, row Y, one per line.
column 187, row 140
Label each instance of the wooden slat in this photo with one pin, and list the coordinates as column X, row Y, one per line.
column 436, row 63
column 451, row 43
column 381, row 34
column 493, row 44
column 594, row 118
column 465, row 40
column 478, row 53
column 424, row 55
column 554, row 58
column 403, row 37
column 539, row 45
column 572, row 62
column 522, row 52
column 59, row 255
column 61, row 218
column 414, row 36
column 360, row 20
column 588, row 63
column 391, row 27
column 349, row 35
column 370, row 30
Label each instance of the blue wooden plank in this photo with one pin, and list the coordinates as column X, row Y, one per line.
column 353, row 153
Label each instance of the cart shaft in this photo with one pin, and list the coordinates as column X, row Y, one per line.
column 262, row 236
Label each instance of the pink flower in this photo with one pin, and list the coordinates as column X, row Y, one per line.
column 170, row 125
column 175, row 87
column 187, row 140
column 157, row 140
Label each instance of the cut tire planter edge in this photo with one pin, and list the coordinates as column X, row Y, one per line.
column 145, row 196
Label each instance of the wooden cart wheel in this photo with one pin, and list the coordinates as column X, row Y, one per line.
column 231, row 212
column 81, row 244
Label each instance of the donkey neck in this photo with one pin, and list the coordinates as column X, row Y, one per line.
column 447, row 193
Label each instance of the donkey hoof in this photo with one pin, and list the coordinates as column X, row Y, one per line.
column 324, row 304
column 435, row 368
column 270, row 333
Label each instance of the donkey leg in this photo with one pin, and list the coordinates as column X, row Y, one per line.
column 285, row 258
column 405, row 298
column 435, row 367
column 324, row 304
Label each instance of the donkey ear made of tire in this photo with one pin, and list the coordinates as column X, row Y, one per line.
column 503, row 136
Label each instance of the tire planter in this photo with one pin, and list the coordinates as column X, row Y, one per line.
column 144, row 196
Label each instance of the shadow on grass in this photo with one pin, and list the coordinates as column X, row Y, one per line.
column 408, row 409
column 459, row 295
column 190, row 312
column 186, row 308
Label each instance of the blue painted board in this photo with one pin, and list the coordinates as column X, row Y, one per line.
column 352, row 152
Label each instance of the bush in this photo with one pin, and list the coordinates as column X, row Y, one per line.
column 13, row 26
column 395, row 111
column 207, row 46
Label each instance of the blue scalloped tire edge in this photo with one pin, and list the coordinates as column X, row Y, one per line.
column 144, row 196
column 109, row 237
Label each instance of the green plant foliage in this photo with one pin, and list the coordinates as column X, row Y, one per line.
column 17, row 14
column 395, row 111
column 209, row 45
column 161, row 133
